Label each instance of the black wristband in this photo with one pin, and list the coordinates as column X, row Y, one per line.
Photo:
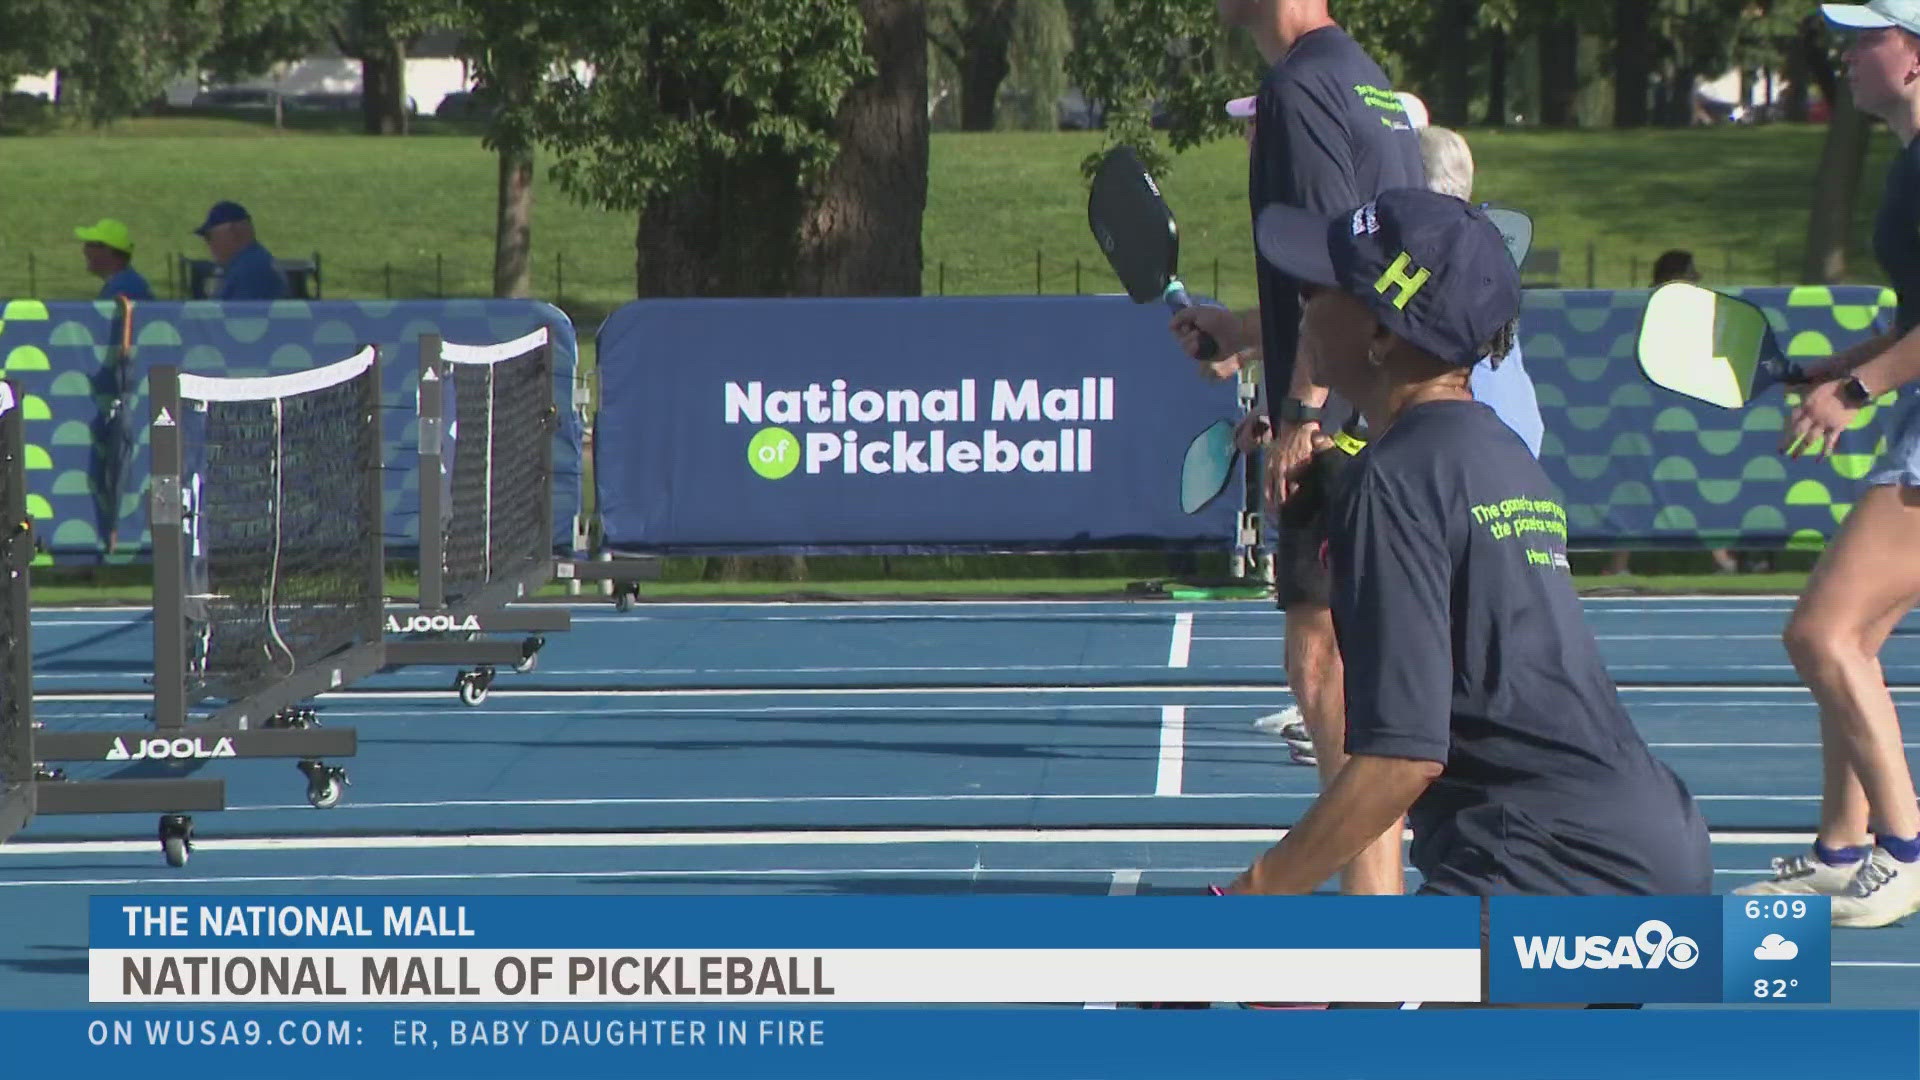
column 1295, row 411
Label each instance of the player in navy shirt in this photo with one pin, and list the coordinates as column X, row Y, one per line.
column 1867, row 853
column 1478, row 705
column 1329, row 133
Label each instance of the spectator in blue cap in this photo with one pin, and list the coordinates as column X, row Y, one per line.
column 246, row 266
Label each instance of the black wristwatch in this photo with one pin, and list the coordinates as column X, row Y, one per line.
column 1854, row 392
column 1295, row 411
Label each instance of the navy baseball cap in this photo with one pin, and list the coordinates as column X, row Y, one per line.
column 1433, row 269
column 221, row 214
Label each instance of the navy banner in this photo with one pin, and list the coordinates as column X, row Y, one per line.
column 901, row 425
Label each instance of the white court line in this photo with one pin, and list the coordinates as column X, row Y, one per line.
column 1125, row 883
column 1163, row 690
column 803, row 800
column 1597, row 637
column 656, row 872
column 1268, row 744
column 1876, row 963
column 1173, row 750
column 774, row 800
column 763, row 838
column 1182, row 645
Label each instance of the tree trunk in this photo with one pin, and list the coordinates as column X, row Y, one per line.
column 1497, row 46
column 1836, row 189
column 1452, row 28
column 986, row 40
column 383, row 87
column 1559, row 73
column 861, row 236
column 1632, row 62
column 513, row 224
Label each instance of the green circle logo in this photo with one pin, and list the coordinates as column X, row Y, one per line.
column 773, row 453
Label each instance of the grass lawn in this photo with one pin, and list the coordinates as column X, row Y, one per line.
column 413, row 217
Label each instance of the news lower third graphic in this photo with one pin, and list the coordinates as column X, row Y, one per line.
column 954, row 950
column 1681, row 950
column 804, row 950
column 801, row 986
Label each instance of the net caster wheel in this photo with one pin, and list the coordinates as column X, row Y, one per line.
column 623, row 601
column 176, row 839
column 325, row 784
column 529, row 654
column 473, row 686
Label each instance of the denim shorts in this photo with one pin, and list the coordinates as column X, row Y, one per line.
column 1899, row 425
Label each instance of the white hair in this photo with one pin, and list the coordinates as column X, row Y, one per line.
column 1449, row 163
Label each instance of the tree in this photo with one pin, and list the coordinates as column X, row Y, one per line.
column 514, row 47
column 1632, row 62
column 35, row 36
column 860, row 234
column 377, row 33
column 1131, row 56
column 715, row 124
column 977, row 37
column 123, row 52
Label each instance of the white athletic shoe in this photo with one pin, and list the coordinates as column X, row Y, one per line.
column 1289, row 726
column 1885, row 891
column 1803, row 875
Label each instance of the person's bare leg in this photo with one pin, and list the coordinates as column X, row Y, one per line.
column 1863, row 584
column 1865, row 581
column 1318, row 679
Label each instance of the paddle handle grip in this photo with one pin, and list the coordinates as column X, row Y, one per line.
column 1177, row 299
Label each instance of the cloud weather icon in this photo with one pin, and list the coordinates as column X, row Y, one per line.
column 1775, row 947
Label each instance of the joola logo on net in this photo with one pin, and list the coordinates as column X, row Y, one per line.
column 419, row 624
column 1653, row 945
column 169, row 749
column 906, row 431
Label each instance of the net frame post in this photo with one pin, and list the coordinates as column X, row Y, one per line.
column 166, row 515
column 247, row 728
column 431, row 409
column 17, row 767
column 48, row 793
column 487, row 609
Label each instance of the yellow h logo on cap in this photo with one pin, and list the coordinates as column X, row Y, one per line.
column 1397, row 275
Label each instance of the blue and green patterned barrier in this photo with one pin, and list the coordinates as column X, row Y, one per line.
column 1641, row 466
column 66, row 357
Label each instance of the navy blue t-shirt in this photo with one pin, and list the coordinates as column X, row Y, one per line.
column 1896, row 233
column 1329, row 135
column 1465, row 644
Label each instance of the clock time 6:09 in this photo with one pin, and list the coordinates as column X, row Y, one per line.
column 1776, row 909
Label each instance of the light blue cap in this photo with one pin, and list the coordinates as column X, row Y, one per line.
column 1875, row 15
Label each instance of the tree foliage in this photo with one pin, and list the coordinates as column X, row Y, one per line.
column 1136, row 58
column 672, row 85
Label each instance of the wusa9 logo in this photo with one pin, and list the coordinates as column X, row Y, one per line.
column 1653, row 945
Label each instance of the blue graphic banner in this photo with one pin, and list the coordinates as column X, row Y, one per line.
column 1697, row 949
column 950, row 1044
column 901, row 425
column 817, row 922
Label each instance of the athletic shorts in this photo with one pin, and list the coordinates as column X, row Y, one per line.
column 1899, row 426
column 1300, row 569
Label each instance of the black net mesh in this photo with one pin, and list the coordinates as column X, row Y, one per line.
column 16, row 715
column 283, row 534
column 497, row 520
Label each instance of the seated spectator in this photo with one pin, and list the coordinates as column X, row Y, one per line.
column 246, row 266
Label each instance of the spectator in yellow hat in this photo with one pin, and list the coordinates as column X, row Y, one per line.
column 109, row 252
